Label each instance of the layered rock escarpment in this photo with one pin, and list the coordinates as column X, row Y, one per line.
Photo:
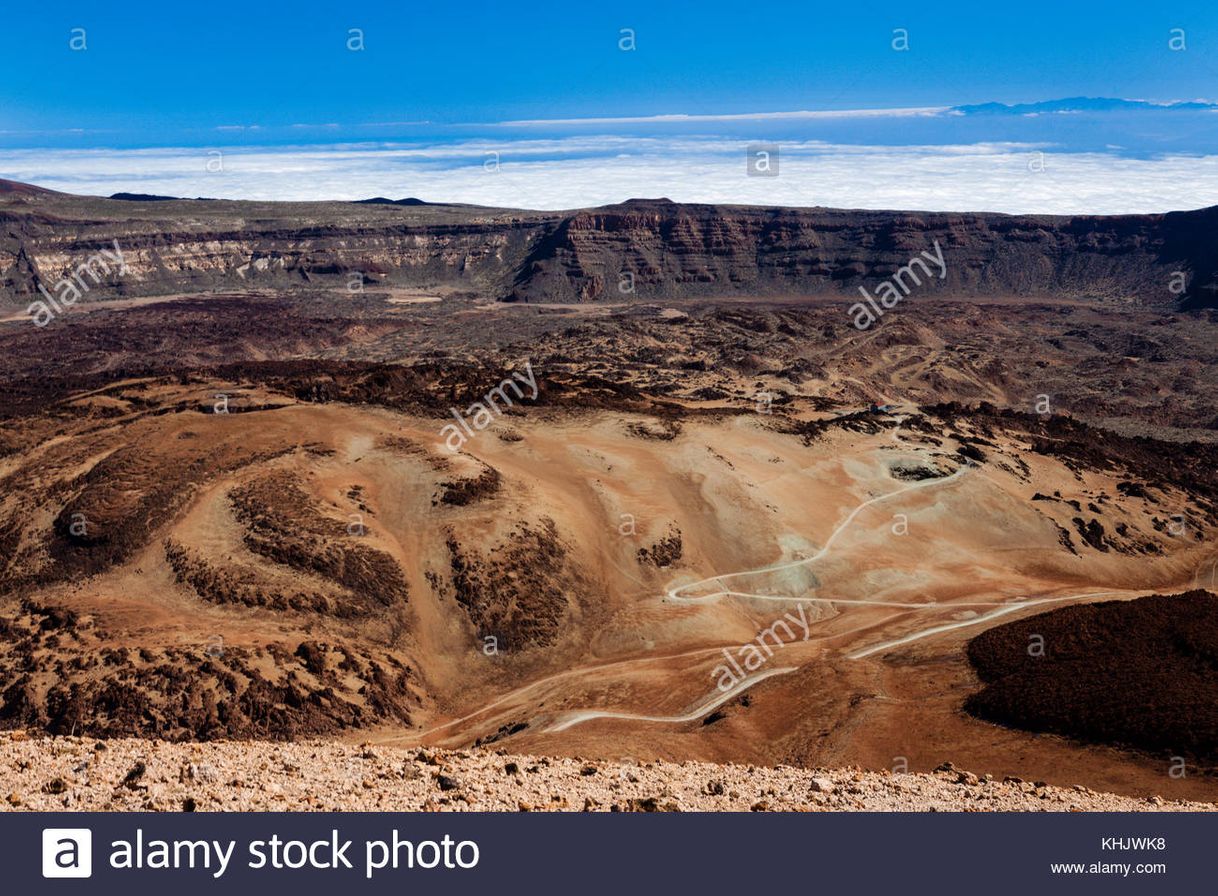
column 663, row 250
column 638, row 250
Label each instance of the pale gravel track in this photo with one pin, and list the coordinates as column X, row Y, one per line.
column 708, row 704
column 674, row 593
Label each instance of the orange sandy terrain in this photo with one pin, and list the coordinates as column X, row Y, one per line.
column 701, row 555
column 565, row 634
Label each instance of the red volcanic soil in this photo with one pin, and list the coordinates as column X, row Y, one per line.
column 16, row 188
column 1139, row 673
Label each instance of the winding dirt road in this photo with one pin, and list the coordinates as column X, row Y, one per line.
column 686, row 594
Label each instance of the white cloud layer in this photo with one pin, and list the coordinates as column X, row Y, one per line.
column 583, row 171
column 685, row 118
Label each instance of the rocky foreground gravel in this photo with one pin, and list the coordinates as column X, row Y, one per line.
column 39, row 773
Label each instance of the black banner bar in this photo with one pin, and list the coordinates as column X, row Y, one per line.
column 609, row 853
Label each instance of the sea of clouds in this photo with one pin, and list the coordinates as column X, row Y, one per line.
column 571, row 171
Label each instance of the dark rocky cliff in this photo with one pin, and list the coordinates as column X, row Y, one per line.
column 664, row 250
column 639, row 250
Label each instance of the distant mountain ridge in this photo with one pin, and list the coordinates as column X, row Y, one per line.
column 1080, row 104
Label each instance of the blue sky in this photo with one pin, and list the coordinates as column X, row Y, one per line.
column 168, row 73
column 439, row 89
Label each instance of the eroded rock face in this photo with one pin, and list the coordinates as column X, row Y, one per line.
column 638, row 250
column 284, row 525
column 516, row 593
column 64, row 674
column 670, row 250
